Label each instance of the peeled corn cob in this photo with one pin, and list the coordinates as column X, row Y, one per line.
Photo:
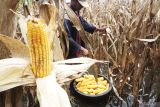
column 40, row 50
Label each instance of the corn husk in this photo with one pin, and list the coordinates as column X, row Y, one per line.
column 14, row 72
column 50, row 93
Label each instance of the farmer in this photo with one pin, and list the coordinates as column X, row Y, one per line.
column 76, row 45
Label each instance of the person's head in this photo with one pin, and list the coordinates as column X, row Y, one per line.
column 77, row 5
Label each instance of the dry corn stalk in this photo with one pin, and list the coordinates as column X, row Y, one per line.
column 39, row 46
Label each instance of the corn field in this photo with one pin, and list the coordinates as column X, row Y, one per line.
column 131, row 43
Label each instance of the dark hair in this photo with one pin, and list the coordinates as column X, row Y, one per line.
column 74, row 0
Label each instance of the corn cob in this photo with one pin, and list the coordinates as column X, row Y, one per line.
column 40, row 50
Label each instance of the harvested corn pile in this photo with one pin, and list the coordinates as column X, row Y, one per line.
column 88, row 85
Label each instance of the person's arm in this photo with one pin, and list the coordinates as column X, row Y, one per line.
column 89, row 27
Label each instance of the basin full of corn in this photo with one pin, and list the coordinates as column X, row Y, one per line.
column 87, row 84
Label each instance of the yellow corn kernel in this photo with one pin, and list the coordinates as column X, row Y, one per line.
column 92, row 86
column 90, row 90
column 79, row 79
column 39, row 46
column 107, row 86
column 85, row 92
column 96, row 91
column 100, row 78
column 92, row 93
column 101, row 86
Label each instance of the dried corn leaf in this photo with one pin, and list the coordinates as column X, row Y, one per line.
column 23, row 28
column 114, row 47
column 45, row 13
column 12, row 47
column 64, row 40
column 99, row 53
column 63, row 37
column 148, row 40
column 105, row 53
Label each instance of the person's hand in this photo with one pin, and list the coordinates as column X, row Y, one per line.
column 103, row 30
column 84, row 51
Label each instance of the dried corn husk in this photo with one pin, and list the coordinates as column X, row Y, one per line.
column 14, row 72
column 55, row 96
